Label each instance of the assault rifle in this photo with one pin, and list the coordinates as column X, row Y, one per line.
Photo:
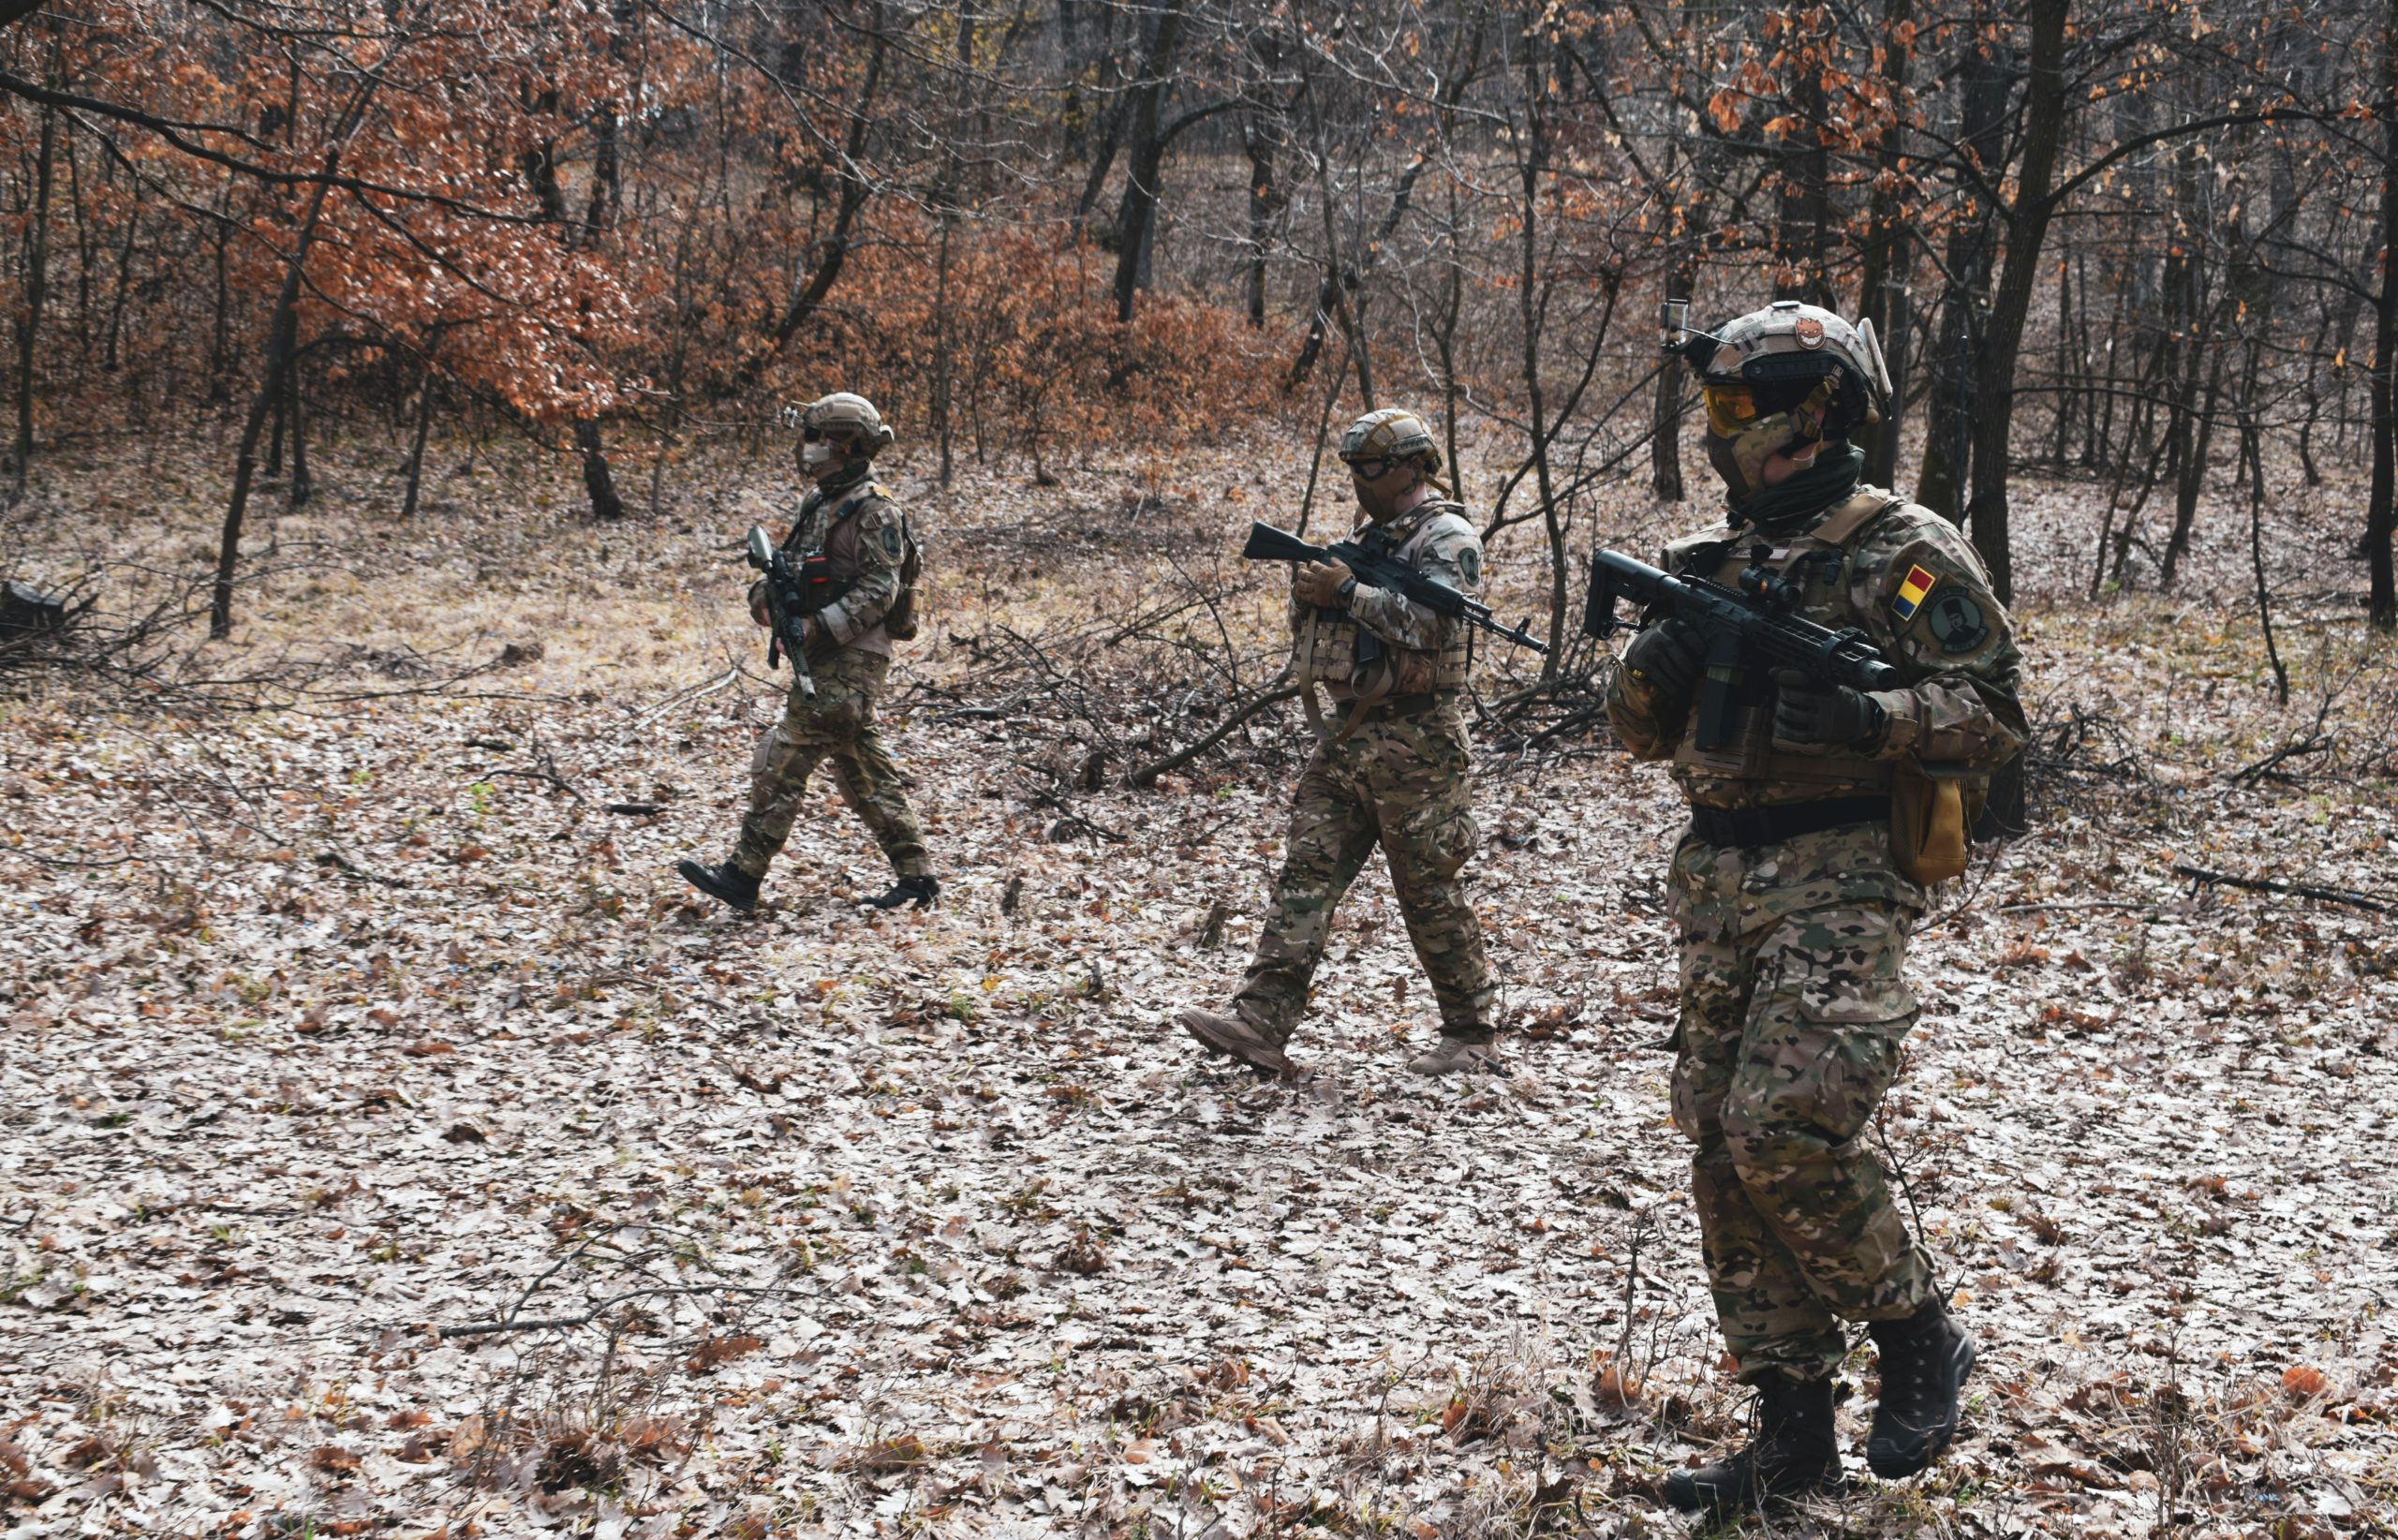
column 1747, row 632
column 786, row 603
column 1375, row 569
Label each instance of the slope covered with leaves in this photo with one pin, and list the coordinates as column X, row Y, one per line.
column 392, row 1142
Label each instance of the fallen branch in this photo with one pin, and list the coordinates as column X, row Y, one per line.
column 1148, row 773
column 2200, row 877
column 486, row 1329
column 689, row 692
column 2264, row 768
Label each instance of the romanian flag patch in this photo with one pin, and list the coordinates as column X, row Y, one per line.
column 1911, row 592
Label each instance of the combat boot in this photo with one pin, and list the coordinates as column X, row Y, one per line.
column 918, row 892
column 728, row 881
column 1925, row 1359
column 1238, row 1038
column 1453, row 1054
column 1793, row 1453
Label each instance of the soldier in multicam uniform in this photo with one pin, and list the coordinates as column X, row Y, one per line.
column 1391, row 770
column 1794, row 893
column 854, row 522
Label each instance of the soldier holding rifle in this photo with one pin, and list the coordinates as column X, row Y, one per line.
column 844, row 595
column 1390, row 765
column 1833, row 758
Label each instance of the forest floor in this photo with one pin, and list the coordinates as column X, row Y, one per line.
column 391, row 1143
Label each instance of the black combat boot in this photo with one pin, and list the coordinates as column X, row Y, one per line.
column 1924, row 1361
column 916, row 892
column 728, row 881
column 1793, row 1453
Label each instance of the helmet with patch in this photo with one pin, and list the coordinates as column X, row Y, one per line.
column 1788, row 344
column 1392, row 432
column 1783, row 379
column 848, row 420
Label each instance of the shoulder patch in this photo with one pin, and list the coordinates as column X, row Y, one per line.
column 1911, row 592
column 1957, row 621
column 1470, row 564
column 891, row 543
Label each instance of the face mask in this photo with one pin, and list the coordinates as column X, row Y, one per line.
column 1738, row 455
column 815, row 457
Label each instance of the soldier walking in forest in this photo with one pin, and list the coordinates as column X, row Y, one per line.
column 1389, row 768
column 859, row 542
column 1815, row 828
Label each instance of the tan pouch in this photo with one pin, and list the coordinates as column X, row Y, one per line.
column 1928, row 823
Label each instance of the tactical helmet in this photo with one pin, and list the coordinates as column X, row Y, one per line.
column 848, row 419
column 1392, row 432
column 1782, row 380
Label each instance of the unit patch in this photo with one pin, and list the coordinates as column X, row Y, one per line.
column 1910, row 595
column 890, row 546
column 1470, row 566
column 1957, row 621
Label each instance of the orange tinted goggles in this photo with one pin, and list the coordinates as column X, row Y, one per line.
column 1729, row 407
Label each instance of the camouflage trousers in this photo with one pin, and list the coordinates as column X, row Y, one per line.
column 836, row 723
column 1794, row 1017
column 1401, row 784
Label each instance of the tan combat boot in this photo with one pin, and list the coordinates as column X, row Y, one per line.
column 1237, row 1037
column 1453, row 1054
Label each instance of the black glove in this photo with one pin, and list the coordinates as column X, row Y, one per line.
column 1806, row 712
column 1667, row 657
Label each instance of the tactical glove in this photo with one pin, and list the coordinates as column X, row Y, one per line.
column 1807, row 713
column 1667, row 657
column 1320, row 583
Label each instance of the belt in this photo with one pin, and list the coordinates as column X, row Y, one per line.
column 1749, row 827
column 1399, row 705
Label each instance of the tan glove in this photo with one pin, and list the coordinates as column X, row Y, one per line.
column 1318, row 583
column 758, row 611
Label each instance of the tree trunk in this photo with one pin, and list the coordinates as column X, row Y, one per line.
column 1532, row 166
column 1102, row 161
column 271, row 391
column 2044, row 110
column 296, row 494
column 1264, row 201
column 2381, row 507
column 597, row 479
column 423, row 426
column 1136, row 215
column 1803, row 222
column 2197, row 442
column 1884, row 291
column 37, row 289
column 855, row 192
column 1985, row 84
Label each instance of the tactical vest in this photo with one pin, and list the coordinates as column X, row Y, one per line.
column 1818, row 563
column 1326, row 643
column 838, row 539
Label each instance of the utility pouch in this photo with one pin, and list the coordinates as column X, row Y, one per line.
column 1929, row 817
column 813, row 572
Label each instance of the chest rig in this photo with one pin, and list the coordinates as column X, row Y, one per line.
column 1331, row 648
column 1811, row 574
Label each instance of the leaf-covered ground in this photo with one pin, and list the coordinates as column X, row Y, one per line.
column 389, row 1142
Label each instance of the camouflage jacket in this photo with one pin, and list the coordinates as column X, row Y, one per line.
column 1435, row 538
column 860, row 529
column 1910, row 581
